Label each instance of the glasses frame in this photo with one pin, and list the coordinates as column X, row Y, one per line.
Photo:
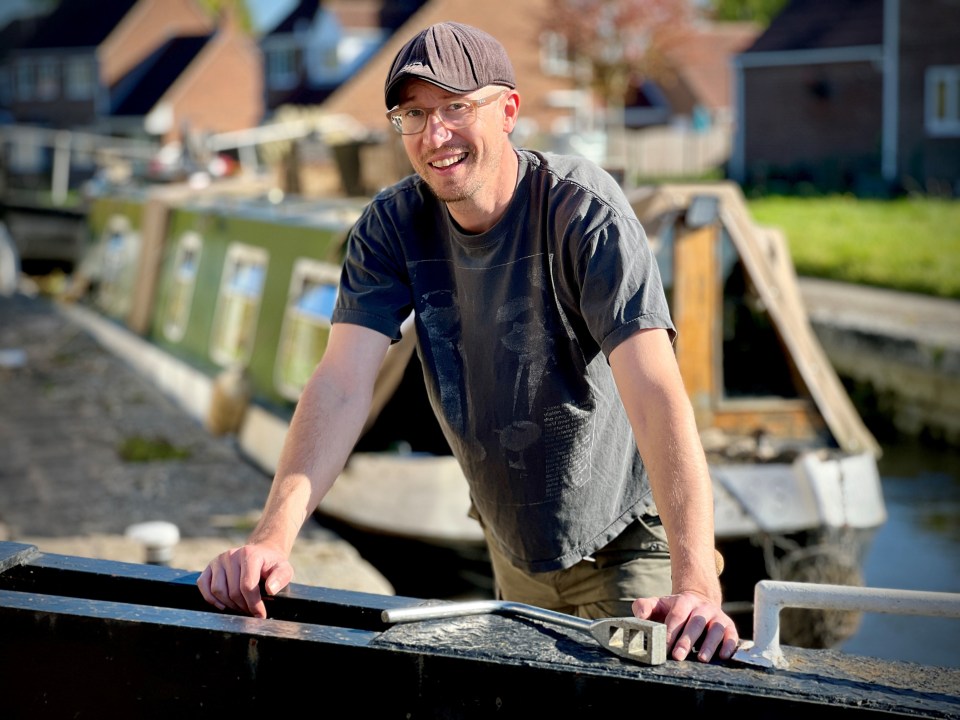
column 394, row 115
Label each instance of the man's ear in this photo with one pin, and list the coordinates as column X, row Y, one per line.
column 511, row 111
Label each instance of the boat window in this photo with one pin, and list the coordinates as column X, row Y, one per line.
column 119, row 256
column 182, row 283
column 238, row 305
column 755, row 363
column 306, row 324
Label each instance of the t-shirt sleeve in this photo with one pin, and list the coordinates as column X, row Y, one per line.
column 621, row 289
column 374, row 292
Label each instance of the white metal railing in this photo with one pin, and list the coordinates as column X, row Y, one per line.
column 771, row 596
column 66, row 146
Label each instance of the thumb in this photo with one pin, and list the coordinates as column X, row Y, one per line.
column 645, row 608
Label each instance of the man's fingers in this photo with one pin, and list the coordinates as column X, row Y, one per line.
column 219, row 586
column 249, row 589
column 689, row 620
column 203, row 582
column 277, row 577
column 685, row 635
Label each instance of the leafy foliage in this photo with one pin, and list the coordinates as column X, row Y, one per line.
column 617, row 41
column 758, row 11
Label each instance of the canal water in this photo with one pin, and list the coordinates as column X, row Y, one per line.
column 918, row 548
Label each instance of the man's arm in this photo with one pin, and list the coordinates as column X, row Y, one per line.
column 325, row 427
column 660, row 413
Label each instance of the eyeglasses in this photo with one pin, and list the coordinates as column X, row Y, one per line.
column 458, row 113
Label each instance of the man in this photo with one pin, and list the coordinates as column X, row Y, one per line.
column 547, row 350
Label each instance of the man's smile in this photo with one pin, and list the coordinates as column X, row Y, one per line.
column 447, row 161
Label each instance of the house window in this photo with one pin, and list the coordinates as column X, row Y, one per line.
column 555, row 55
column 184, row 280
column 282, row 68
column 25, row 80
column 235, row 319
column 306, row 324
column 79, row 79
column 48, row 81
column 6, row 86
column 119, row 257
column 942, row 101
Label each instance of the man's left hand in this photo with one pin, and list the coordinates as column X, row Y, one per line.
column 689, row 618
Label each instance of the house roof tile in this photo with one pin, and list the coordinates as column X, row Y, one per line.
column 143, row 87
column 78, row 23
column 822, row 24
column 703, row 62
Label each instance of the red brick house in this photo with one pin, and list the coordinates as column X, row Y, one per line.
column 557, row 112
column 133, row 66
column 852, row 94
column 318, row 45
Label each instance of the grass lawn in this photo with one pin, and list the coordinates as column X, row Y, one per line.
column 910, row 244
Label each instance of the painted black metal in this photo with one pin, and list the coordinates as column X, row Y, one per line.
column 88, row 638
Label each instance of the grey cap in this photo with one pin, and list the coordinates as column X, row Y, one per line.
column 454, row 56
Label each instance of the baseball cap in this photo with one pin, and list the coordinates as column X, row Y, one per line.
column 457, row 57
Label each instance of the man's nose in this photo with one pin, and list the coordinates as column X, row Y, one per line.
column 435, row 128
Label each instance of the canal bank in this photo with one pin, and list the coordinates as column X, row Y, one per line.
column 897, row 353
column 89, row 449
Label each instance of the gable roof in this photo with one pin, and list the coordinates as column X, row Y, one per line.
column 304, row 11
column 79, row 23
column 823, row 24
column 519, row 30
column 703, row 62
column 141, row 89
column 15, row 34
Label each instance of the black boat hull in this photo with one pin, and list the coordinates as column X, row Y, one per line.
column 91, row 638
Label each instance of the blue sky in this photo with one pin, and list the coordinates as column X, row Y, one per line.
column 267, row 13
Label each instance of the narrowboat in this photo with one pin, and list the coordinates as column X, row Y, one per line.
column 224, row 296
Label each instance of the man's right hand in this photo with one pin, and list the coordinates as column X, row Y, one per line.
column 232, row 579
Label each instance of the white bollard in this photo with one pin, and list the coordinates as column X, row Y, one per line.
column 159, row 538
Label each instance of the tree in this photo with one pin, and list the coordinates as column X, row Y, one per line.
column 758, row 11
column 215, row 8
column 618, row 43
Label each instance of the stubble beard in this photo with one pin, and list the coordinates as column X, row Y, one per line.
column 452, row 193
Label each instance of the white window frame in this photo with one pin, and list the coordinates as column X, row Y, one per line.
column 942, row 101
column 6, row 85
column 26, row 80
column 281, row 66
column 118, row 265
column 79, row 79
column 174, row 328
column 304, row 270
column 224, row 354
column 48, row 79
column 555, row 55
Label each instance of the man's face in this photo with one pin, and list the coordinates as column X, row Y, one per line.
column 457, row 164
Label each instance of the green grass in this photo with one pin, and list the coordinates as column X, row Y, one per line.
column 910, row 244
column 140, row 449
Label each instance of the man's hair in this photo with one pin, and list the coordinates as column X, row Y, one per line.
column 454, row 56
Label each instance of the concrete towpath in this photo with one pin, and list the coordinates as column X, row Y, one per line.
column 68, row 412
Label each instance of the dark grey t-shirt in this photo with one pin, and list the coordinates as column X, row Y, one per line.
column 514, row 327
